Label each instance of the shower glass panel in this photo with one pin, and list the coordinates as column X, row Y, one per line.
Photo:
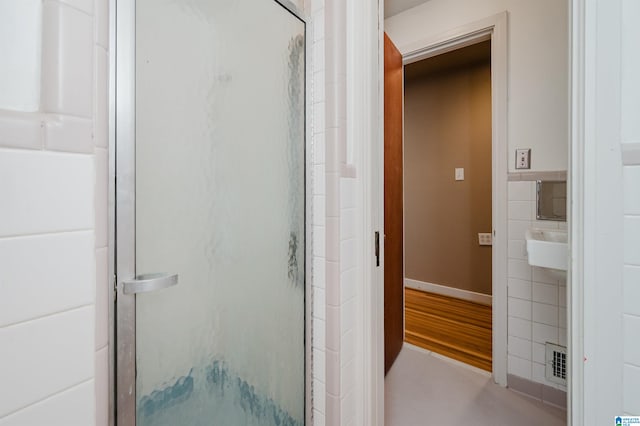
column 219, row 200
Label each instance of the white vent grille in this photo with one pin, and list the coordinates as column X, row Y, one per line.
column 556, row 363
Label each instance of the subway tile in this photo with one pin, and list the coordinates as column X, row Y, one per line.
column 319, row 305
column 538, row 373
column 631, row 331
column 319, row 365
column 317, row 20
column 519, row 327
column 545, row 293
column 520, row 210
column 45, row 192
column 348, row 284
column 319, row 238
column 539, row 352
column 334, row 328
column 332, row 415
column 631, row 239
column 545, row 224
column 520, row 191
column 319, row 391
column 318, row 98
column 519, row 347
column 20, row 75
column 67, row 341
column 519, row 367
column 102, row 197
column 319, row 184
column 544, row 275
column 102, row 297
column 348, row 408
column 319, row 60
column 562, row 296
column 319, row 154
column 348, row 254
column 348, row 316
column 101, row 98
column 333, row 192
column 83, row 5
column 319, row 124
column 318, row 210
column 102, row 23
column 348, row 193
column 319, row 333
column 545, row 314
column 45, row 274
column 631, row 384
column 333, row 239
column 319, row 272
column 67, row 60
column 543, row 333
column 318, row 417
column 631, row 281
column 562, row 337
column 562, row 317
column 348, row 348
column 74, row 406
column 333, row 375
column 517, row 228
column 348, row 222
column 520, row 289
column 519, row 269
column 102, row 387
column 631, row 194
column 71, row 134
column 21, row 131
column 519, row 308
column 517, row 249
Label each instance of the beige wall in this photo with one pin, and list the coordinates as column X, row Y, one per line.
column 448, row 125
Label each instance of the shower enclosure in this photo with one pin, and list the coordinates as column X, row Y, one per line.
column 210, row 213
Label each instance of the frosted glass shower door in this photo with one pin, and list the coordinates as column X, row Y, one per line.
column 219, row 201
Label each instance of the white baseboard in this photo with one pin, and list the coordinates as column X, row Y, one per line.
column 470, row 296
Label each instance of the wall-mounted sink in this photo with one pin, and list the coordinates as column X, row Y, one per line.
column 547, row 248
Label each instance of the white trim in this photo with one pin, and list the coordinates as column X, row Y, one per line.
column 444, row 290
column 495, row 28
column 575, row 315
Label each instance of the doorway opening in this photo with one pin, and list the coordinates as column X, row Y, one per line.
column 421, row 252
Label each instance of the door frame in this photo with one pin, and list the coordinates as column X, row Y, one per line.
column 121, row 208
column 492, row 28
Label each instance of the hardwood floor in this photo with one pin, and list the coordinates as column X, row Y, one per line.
column 452, row 327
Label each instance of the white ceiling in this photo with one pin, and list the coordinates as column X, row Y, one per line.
column 393, row 7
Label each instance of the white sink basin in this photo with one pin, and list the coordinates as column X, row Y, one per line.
column 547, row 248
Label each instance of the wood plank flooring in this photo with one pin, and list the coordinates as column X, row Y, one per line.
column 452, row 327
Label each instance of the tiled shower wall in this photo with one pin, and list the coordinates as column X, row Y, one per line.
column 537, row 303
column 53, row 224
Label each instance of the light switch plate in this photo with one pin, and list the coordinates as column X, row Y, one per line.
column 485, row 239
column 523, row 158
column 459, row 173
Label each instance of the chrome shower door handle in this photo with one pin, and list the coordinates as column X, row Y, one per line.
column 149, row 282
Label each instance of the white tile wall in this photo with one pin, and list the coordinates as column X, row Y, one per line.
column 45, row 356
column 50, row 372
column 74, row 406
column 536, row 299
column 319, row 285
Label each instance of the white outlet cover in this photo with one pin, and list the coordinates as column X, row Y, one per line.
column 459, row 173
column 523, row 158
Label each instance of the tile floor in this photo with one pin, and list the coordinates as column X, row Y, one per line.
column 426, row 389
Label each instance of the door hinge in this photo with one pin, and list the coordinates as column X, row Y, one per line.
column 115, row 287
column 377, row 243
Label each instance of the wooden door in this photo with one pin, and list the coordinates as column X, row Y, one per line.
column 393, row 201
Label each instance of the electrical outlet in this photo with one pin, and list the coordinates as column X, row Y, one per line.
column 459, row 173
column 485, row 239
column 523, row 158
